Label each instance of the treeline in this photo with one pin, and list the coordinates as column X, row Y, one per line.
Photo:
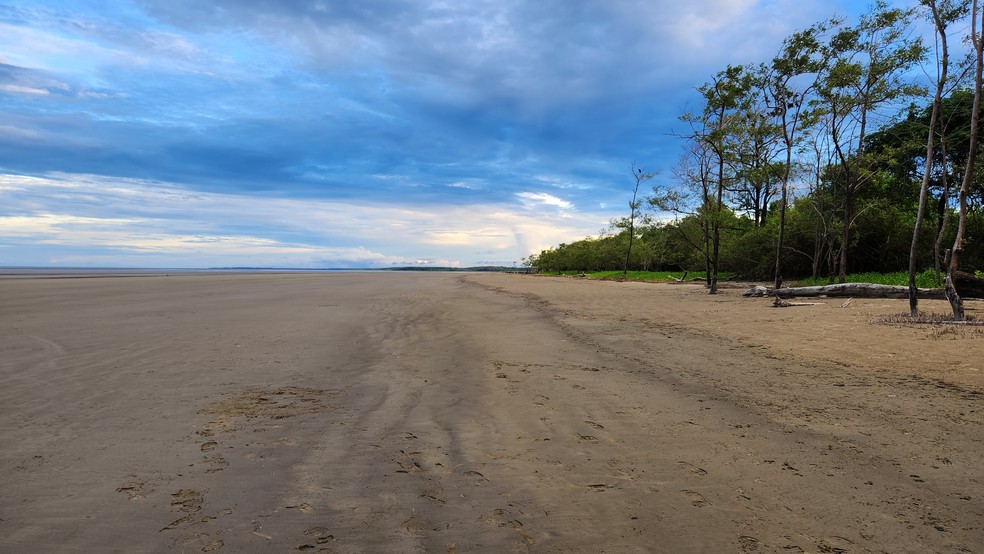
column 880, row 245
column 830, row 158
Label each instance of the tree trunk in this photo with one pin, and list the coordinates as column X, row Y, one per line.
column 944, row 214
column 628, row 251
column 930, row 148
column 716, row 246
column 817, row 256
column 784, row 196
column 956, row 303
column 707, row 254
column 845, row 239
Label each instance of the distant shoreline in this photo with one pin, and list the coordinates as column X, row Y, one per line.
column 94, row 272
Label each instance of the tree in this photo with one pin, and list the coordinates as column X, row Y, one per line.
column 634, row 205
column 820, row 201
column 956, row 303
column 900, row 149
column 943, row 14
column 755, row 144
column 725, row 97
column 801, row 56
column 693, row 172
column 867, row 72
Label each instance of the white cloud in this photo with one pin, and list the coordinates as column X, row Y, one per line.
column 19, row 89
column 56, row 53
column 19, row 132
column 534, row 199
column 100, row 95
column 163, row 224
column 464, row 185
column 560, row 183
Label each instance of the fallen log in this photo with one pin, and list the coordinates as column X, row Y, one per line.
column 855, row 290
column 968, row 285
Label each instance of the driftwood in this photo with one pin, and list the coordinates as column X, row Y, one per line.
column 854, row 290
column 968, row 285
column 780, row 303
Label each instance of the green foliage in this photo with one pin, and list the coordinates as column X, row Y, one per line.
column 647, row 276
column 925, row 279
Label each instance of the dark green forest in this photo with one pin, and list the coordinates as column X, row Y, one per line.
column 853, row 150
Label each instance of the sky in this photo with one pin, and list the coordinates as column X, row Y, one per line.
column 347, row 133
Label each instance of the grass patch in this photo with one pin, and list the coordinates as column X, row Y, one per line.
column 925, row 279
column 929, row 318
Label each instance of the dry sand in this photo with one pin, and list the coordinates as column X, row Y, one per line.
column 395, row 412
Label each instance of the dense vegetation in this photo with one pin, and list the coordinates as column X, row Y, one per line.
column 926, row 279
column 838, row 156
column 880, row 244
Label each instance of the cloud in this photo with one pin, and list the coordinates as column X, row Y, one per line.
column 24, row 90
column 535, row 199
column 533, row 55
column 490, row 91
column 155, row 223
column 19, row 132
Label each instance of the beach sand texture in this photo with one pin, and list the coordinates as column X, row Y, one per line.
column 441, row 412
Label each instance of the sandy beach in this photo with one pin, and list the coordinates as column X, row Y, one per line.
column 451, row 413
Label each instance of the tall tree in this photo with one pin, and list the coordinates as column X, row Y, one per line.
column 640, row 177
column 956, row 303
column 725, row 96
column 791, row 78
column 867, row 72
column 943, row 12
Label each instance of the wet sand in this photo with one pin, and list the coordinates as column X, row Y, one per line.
column 395, row 412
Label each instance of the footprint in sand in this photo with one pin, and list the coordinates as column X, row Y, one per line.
column 213, row 545
column 835, row 544
column 407, row 462
column 434, row 494
column 595, row 425
column 621, row 470
column 134, row 490
column 695, row 498
column 497, row 517
column 692, row 468
column 302, row 507
column 748, row 544
column 413, row 526
column 476, row 475
column 190, row 501
column 203, row 540
column 321, row 535
column 217, row 462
